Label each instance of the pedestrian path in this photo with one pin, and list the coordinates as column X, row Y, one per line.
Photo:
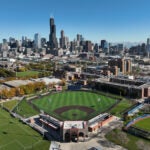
column 54, row 146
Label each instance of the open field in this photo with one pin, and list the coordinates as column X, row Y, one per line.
column 120, row 107
column 132, row 140
column 143, row 124
column 74, row 105
column 25, row 110
column 17, row 136
column 27, row 73
column 10, row 104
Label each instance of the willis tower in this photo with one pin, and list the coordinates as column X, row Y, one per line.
column 52, row 37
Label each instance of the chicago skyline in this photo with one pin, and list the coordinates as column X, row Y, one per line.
column 116, row 21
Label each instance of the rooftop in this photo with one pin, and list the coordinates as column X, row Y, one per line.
column 47, row 80
column 74, row 124
column 17, row 83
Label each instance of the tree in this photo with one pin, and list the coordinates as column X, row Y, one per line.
column 39, row 86
column 12, row 92
column 63, row 82
column 146, row 108
column 19, row 92
column 5, row 93
column 142, row 145
column 122, row 137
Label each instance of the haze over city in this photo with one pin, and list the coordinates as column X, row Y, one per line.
column 115, row 21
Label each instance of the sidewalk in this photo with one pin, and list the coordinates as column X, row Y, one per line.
column 54, row 146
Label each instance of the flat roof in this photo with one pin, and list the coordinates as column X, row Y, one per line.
column 47, row 80
column 119, row 84
column 74, row 124
column 2, row 87
column 17, row 83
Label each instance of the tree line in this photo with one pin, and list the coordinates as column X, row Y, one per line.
column 22, row 90
column 30, row 88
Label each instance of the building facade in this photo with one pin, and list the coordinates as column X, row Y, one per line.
column 125, row 65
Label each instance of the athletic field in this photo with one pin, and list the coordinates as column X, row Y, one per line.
column 15, row 135
column 74, row 105
column 25, row 109
column 143, row 124
column 26, row 73
column 10, row 104
column 120, row 107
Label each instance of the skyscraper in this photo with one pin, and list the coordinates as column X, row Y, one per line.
column 62, row 39
column 148, row 47
column 37, row 41
column 52, row 37
column 88, row 46
column 105, row 46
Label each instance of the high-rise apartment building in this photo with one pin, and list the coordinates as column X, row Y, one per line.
column 123, row 64
column 52, row 37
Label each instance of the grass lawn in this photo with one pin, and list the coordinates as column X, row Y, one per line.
column 25, row 110
column 26, row 73
column 120, row 107
column 131, row 145
column 75, row 113
column 95, row 101
column 10, row 104
column 17, row 136
column 143, row 124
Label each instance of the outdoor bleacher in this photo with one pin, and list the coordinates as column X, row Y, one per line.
column 49, row 124
column 135, row 109
column 50, row 121
column 98, row 118
column 74, row 87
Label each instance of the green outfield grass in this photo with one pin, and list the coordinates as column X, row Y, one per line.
column 143, row 124
column 25, row 109
column 17, row 136
column 120, row 107
column 95, row 101
column 10, row 104
column 27, row 73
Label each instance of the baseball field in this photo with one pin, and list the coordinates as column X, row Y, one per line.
column 74, row 105
column 143, row 124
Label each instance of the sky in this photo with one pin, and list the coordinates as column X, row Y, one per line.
column 113, row 20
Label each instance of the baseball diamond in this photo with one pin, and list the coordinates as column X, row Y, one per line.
column 74, row 105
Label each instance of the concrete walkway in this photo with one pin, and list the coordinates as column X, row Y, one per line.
column 54, row 146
